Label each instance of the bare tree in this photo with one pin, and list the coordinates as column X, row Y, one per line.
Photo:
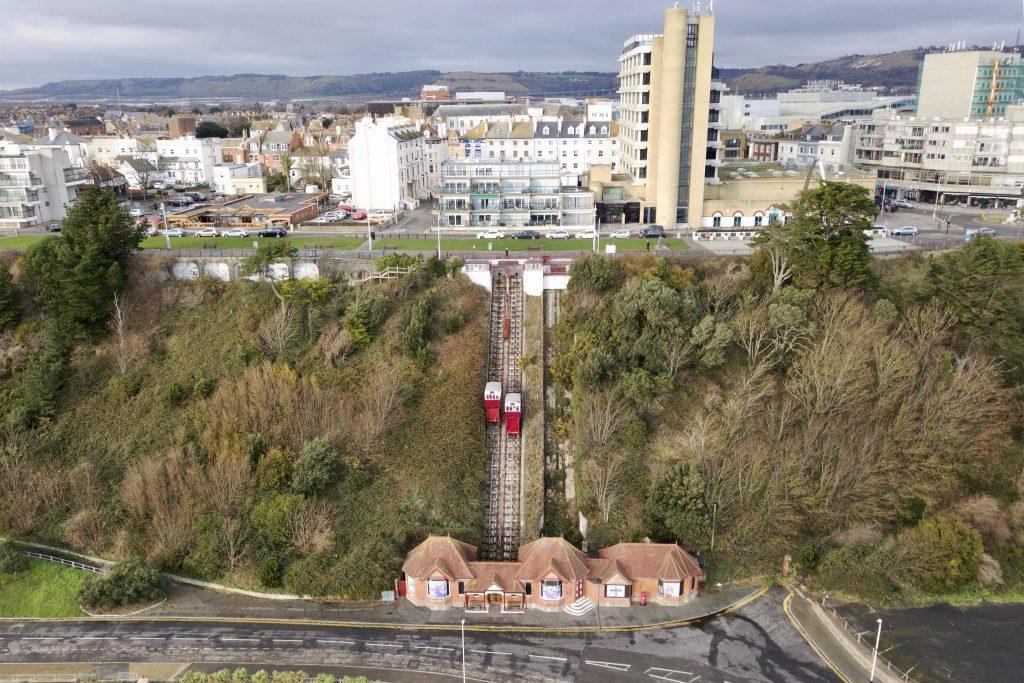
column 380, row 400
column 277, row 332
column 311, row 528
column 598, row 416
column 602, row 474
column 781, row 270
column 119, row 327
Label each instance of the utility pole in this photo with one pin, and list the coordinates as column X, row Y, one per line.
column 874, row 655
column 714, row 514
column 438, row 200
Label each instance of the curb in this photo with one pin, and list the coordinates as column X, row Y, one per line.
column 481, row 628
column 810, row 641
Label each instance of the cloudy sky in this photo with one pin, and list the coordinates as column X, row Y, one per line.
column 50, row 40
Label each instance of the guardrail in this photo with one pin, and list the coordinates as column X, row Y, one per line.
column 62, row 560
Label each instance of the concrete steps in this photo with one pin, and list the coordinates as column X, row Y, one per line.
column 582, row 606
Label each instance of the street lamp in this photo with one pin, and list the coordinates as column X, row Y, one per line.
column 874, row 655
column 464, row 649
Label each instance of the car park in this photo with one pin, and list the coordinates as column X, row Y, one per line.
column 235, row 232
column 558, row 235
column 904, row 230
column 526, row 235
column 652, row 231
column 490, row 235
column 208, row 232
column 173, row 232
column 273, row 231
column 620, row 235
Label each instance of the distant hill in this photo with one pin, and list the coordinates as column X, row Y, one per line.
column 893, row 70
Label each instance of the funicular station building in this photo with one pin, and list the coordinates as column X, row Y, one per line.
column 550, row 574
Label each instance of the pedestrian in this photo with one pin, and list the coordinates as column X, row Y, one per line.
column 506, row 252
column 648, row 245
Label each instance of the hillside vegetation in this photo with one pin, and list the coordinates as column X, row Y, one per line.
column 301, row 436
column 862, row 417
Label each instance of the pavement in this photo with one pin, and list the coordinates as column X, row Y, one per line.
column 755, row 642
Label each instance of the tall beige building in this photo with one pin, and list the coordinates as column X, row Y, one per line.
column 971, row 84
column 670, row 107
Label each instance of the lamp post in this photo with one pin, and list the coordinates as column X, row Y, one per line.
column 874, row 655
column 464, row 650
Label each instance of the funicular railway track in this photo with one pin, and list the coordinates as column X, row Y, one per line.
column 501, row 540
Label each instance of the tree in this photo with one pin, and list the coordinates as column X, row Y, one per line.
column 239, row 127
column 938, row 555
column 823, row 244
column 12, row 560
column 286, row 170
column 119, row 328
column 316, row 467
column 677, row 508
column 211, row 129
column 130, row 583
column 276, row 182
column 269, row 253
column 77, row 273
column 10, row 305
column 595, row 272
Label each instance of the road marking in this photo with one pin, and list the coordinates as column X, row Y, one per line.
column 336, row 642
column 493, row 652
column 382, row 645
column 147, row 638
column 96, row 638
column 668, row 675
column 287, row 640
column 557, row 659
column 241, row 640
column 42, row 638
column 187, row 638
column 432, row 647
column 609, row 665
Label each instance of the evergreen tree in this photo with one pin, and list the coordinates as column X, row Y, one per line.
column 10, row 306
column 677, row 508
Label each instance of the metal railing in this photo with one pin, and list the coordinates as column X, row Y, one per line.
column 74, row 564
column 858, row 637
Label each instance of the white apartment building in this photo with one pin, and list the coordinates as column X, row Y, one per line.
column 575, row 145
column 477, row 193
column 105, row 149
column 463, row 117
column 232, row 179
column 832, row 145
column 74, row 146
column 188, row 160
column 36, row 186
column 945, row 159
column 388, row 164
column 817, row 101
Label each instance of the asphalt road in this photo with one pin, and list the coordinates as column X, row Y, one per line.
column 754, row 643
column 933, row 231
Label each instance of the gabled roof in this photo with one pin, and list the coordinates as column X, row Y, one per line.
column 489, row 574
column 552, row 554
column 277, row 137
column 437, row 550
column 522, row 131
column 653, row 561
column 604, row 570
column 477, row 132
column 138, row 165
column 60, row 139
column 497, row 131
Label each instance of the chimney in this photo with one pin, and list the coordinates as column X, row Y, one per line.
column 51, row 133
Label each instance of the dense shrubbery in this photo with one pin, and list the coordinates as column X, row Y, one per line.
column 241, row 675
column 129, row 583
column 12, row 560
column 860, row 416
column 275, row 437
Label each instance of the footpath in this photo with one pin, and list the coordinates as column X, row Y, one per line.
column 847, row 658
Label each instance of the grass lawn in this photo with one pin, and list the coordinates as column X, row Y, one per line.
column 20, row 241
column 470, row 244
column 343, row 243
column 46, row 589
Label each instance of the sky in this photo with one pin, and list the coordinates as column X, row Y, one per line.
column 51, row 40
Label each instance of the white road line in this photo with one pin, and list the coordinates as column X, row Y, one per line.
column 96, row 638
column 432, row 647
column 609, row 665
column 336, row 642
column 147, row 638
column 42, row 638
column 492, row 652
column 287, row 640
column 241, row 640
column 381, row 645
column 187, row 638
column 557, row 659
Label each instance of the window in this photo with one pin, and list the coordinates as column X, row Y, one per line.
column 758, row 221
column 716, row 222
column 462, row 587
column 437, row 588
column 737, row 221
column 529, row 588
column 613, row 590
column 551, row 590
column 668, row 589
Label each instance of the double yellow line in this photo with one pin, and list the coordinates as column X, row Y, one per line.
column 810, row 641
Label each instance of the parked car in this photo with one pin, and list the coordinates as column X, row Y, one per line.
column 586, row 234
column 558, row 235
column 180, row 201
column 197, row 196
column 381, row 215
column 909, row 230
column 620, row 235
column 135, row 212
column 273, row 231
column 904, row 204
column 53, row 227
column 526, row 235
column 161, row 185
column 208, row 232
column 151, row 231
column 235, row 232
column 347, row 208
column 359, row 216
column 173, row 232
column 490, row 235
column 652, row 231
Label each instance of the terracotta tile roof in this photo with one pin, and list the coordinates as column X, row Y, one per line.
column 502, row 574
column 653, row 561
column 445, row 553
column 552, row 554
column 604, row 570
